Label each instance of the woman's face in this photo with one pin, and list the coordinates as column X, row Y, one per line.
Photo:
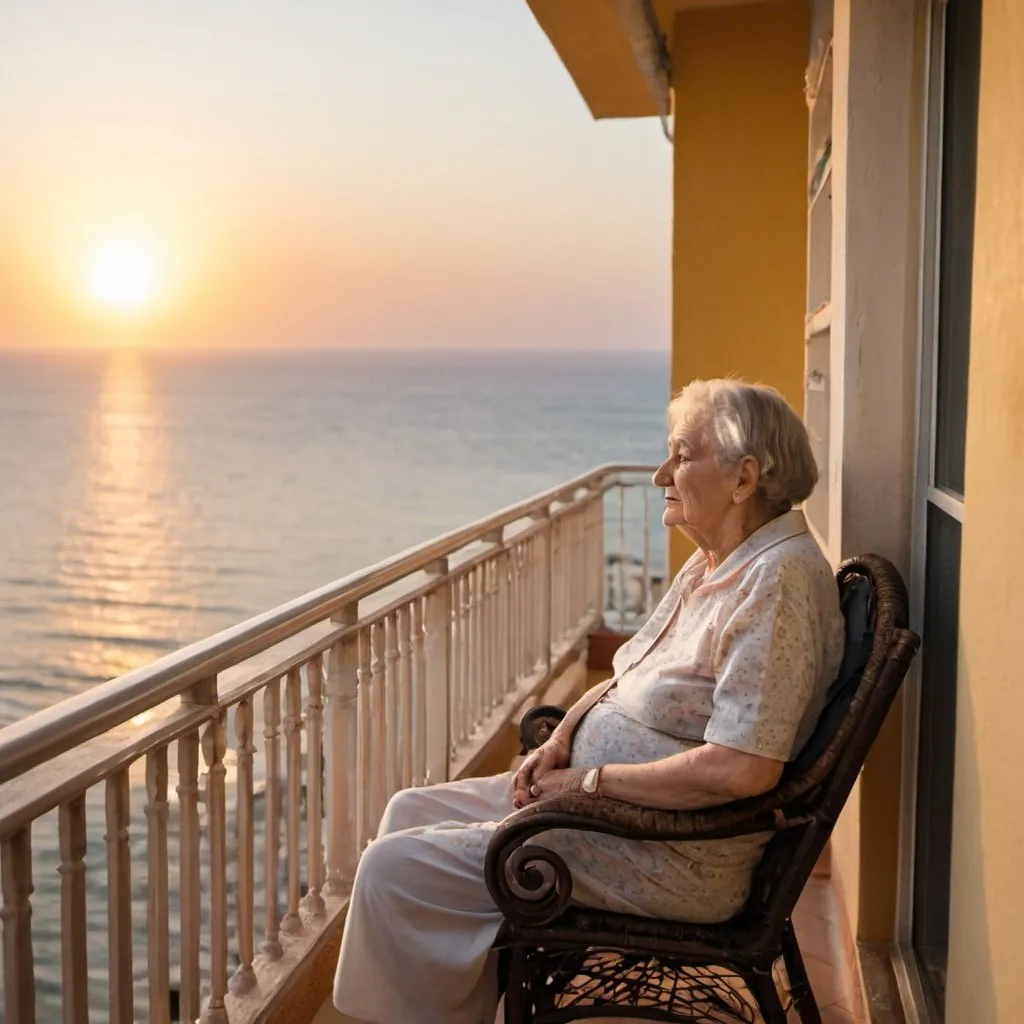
column 698, row 492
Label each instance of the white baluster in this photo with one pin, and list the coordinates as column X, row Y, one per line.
column 598, row 554
column 189, row 883
column 622, row 557
column 484, row 633
column 119, row 898
column 561, row 578
column 588, row 547
column 437, row 682
column 491, row 632
column 504, row 637
column 494, row 680
column 272, row 734
column 516, row 619
column 453, row 703
column 537, row 585
column 365, row 798
column 544, row 637
column 405, row 673
column 419, row 703
column 314, row 902
column 73, row 947
column 378, row 713
column 215, row 743
column 458, row 699
column 476, row 648
column 647, row 553
column 464, row 709
column 483, row 654
column 583, row 574
column 393, row 751
column 291, row 923
column 582, row 519
column 529, row 609
column 16, row 914
column 567, row 573
column 342, row 766
column 244, row 977
column 158, row 950
column 575, row 570
column 490, row 585
column 579, row 567
column 473, row 704
column 522, row 652
column 557, row 538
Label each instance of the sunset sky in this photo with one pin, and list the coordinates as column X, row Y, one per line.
column 396, row 173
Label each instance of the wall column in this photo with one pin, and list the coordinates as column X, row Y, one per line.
column 740, row 236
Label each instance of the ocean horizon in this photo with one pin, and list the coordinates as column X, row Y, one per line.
column 155, row 498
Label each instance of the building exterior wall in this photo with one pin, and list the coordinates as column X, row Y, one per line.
column 986, row 951
column 738, row 303
column 739, row 237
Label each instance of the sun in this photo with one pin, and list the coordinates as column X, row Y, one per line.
column 123, row 275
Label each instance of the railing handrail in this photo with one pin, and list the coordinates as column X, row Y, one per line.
column 78, row 719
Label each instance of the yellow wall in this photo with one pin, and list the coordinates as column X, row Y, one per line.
column 986, row 954
column 740, row 200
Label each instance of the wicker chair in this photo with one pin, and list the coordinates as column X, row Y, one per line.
column 560, row 961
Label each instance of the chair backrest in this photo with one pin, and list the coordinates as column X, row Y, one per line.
column 814, row 787
column 857, row 600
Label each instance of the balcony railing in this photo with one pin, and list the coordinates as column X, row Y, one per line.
column 225, row 864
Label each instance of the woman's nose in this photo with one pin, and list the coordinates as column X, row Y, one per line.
column 662, row 477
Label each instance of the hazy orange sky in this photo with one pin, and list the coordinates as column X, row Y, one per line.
column 388, row 172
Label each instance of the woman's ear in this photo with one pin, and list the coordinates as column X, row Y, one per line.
column 747, row 479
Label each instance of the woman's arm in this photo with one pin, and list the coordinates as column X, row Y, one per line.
column 706, row 776
column 567, row 726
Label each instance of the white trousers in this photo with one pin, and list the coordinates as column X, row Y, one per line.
column 417, row 941
column 421, row 922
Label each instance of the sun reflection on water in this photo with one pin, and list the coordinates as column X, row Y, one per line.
column 119, row 553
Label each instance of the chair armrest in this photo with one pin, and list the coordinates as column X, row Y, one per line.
column 537, row 725
column 533, row 885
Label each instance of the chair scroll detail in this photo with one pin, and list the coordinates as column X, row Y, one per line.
column 562, row 962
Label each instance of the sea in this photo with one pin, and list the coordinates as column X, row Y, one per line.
column 151, row 498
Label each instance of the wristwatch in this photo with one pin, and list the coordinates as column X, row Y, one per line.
column 591, row 780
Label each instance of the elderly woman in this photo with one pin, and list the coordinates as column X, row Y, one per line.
column 719, row 689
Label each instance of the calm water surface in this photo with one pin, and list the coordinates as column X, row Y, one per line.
column 153, row 499
column 150, row 500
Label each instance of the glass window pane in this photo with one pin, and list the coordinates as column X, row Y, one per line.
column 959, row 160
column 936, row 749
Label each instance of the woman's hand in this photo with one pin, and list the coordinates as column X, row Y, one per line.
column 564, row 780
column 547, row 758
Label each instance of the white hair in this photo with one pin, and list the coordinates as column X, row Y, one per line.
column 742, row 420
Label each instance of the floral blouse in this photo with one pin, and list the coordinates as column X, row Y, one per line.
column 741, row 657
